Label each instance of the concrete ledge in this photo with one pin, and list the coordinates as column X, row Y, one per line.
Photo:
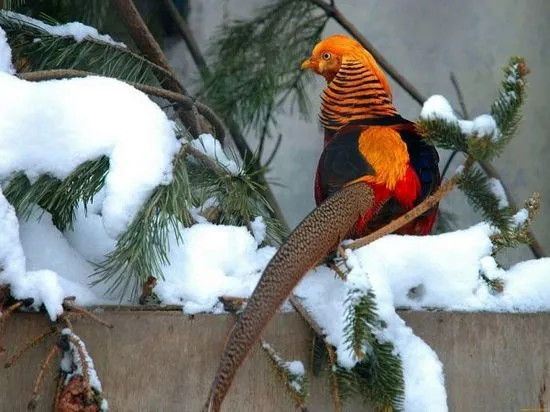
column 164, row 361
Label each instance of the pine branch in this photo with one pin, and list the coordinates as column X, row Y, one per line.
column 185, row 101
column 295, row 383
column 55, row 52
column 361, row 317
column 145, row 41
column 519, row 232
column 379, row 371
column 143, row 247
column 250, row 72
column 240, row 142
column 475, row 184
column 92, row 12
column 150, row 47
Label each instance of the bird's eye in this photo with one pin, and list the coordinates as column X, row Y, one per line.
column 326, row 56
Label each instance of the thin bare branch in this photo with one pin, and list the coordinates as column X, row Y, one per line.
column 29, row 345
column 275, row 150
column 67, row 305
column 423, row 207
column 460, row 96
column 183, row 100
column 187, row 35
column 301, row 309
column 31, row 406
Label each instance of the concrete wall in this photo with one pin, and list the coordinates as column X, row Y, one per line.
column 425, row 40
column 164, row 361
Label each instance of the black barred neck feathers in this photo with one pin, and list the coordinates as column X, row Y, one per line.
column 354, row 95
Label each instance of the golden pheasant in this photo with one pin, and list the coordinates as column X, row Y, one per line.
column 374, row 167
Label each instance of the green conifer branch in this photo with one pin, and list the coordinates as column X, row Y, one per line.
column 60, row 198
column 92, row 12
column 378, row 374
column 518, row 233
column 57, row 52
column 256, row 62
column 143, row 248
column 475, row 185
column 24, row 195
column 295, row 384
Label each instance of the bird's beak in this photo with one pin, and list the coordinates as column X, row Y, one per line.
column 306, row 64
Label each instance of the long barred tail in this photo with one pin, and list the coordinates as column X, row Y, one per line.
column 310, row 242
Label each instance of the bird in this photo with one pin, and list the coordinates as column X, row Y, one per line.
column 374, row 165
column 358, row 99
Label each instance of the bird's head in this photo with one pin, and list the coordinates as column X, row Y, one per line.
column 329, row 54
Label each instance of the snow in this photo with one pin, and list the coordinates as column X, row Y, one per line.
column 438, row 107
column 211, row 147
column 76, row 30
column 444, row 273
column 211, row 261
column 5, row 54
column 258, row 229
column 482, row 126
column 296, row 368
column 54, row 126
column 498, row 190
column 197, row 212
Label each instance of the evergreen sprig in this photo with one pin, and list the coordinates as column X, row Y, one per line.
column 296, row 384
column 518, row 233
column 506, row 112
column 475, row 185
column 256, row 62
column 92, row 12
column 239, row 197
column 58, row 197
column 378, row 374
column 143, row 248
column 35, row 49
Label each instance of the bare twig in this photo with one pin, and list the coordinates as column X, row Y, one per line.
column 335, row 390
column 300, row 308
column 460, row 96
column 29, row 345
column 31, row 406
column 187, row 36
column 185, row 101
column 67, row 305
column 275, row 150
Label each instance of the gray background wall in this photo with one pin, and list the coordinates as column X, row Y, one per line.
column 425, row 40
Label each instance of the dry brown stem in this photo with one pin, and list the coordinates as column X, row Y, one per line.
column 31, row 406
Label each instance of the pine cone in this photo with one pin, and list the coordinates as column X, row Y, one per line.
column 75, row 397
